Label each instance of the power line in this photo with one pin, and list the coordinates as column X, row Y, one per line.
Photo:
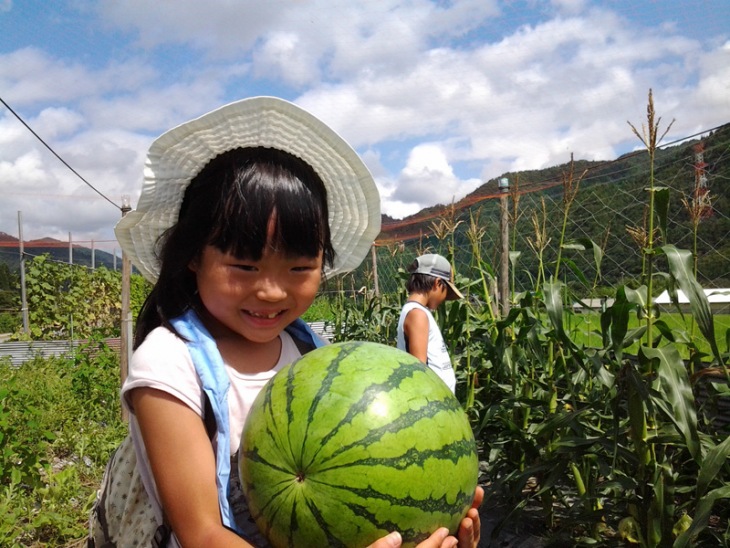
column 56, row 155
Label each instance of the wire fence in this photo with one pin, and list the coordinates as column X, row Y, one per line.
column 599, row 213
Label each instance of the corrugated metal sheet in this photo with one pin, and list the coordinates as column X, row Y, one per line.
column 20, row 352
column 324, row 331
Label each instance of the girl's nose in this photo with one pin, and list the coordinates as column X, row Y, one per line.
column 269, row 289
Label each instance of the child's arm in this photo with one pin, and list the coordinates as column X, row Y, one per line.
column 415, row 329
column 183, row 465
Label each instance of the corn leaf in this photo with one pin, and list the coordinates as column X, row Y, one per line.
column 702, row 515
column 711, row 465
column 673, row 383
column 680, row 266
column 586, row 243
column 553, row 296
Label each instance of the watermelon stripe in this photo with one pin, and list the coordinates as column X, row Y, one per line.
column 387, row 525
column 332, row 540
column 411, row 417
column 332, row 372
column 371, row 392
column 282, row 439
column 451, row 452
column 293, row 524
column 441, row 504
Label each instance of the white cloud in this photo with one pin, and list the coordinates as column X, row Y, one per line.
column 438, row 96
column 426, row 180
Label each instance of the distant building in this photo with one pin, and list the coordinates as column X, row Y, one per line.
column 719, row 300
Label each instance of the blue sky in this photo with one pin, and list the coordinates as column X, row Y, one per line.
column 437, row 96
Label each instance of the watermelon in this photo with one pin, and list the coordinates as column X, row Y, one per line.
column 352, row 441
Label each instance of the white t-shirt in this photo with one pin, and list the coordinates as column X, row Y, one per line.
column 437, row 355
column 163, row 362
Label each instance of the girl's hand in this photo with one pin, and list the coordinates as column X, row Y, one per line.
column 471, row 526
column 440, row 539
column 468, row 535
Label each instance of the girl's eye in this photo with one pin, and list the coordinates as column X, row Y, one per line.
column 245, row 267
column 303, row 268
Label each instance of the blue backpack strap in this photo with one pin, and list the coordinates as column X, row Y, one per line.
column 215, row 382
column 299, row 329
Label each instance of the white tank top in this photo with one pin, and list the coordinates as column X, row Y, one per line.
column 437, row 356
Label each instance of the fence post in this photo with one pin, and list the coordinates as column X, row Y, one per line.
column 125, row 335
column 374, row 255
column 23, row 298
column 504, row 230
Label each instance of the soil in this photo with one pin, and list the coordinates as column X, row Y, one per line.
column 524, row 535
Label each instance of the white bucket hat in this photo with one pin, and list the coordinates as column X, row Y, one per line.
column 177, row 156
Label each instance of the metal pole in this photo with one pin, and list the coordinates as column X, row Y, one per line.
column 125, row 338
column 23, row 298
column 70, row 250
column 93, row 256
column 504, row 229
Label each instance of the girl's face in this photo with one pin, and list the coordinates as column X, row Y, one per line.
column 256, row 299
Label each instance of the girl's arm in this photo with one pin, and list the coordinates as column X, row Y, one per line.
column 183, row 465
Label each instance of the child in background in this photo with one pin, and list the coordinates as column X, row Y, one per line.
column 247, row 208
column 429, row 285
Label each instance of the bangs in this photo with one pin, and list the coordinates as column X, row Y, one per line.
column 300, row 226
column 258, row 185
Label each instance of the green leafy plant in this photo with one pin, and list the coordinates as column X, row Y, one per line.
column 59, row 421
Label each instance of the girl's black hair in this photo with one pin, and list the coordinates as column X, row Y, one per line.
column 228, row 205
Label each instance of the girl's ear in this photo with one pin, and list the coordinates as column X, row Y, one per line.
column 193, row 265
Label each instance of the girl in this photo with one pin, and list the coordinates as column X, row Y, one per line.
column 251, row 205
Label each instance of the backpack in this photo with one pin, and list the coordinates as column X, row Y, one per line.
column 122, row 514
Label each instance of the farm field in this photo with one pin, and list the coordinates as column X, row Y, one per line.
column 585, row 328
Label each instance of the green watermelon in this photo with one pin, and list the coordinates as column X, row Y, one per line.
column 352, row 441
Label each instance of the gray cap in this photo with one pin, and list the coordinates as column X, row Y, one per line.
column 437, row 266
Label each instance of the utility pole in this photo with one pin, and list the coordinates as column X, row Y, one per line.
column 125, row 350
column 23, row 297
column 504, row 231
